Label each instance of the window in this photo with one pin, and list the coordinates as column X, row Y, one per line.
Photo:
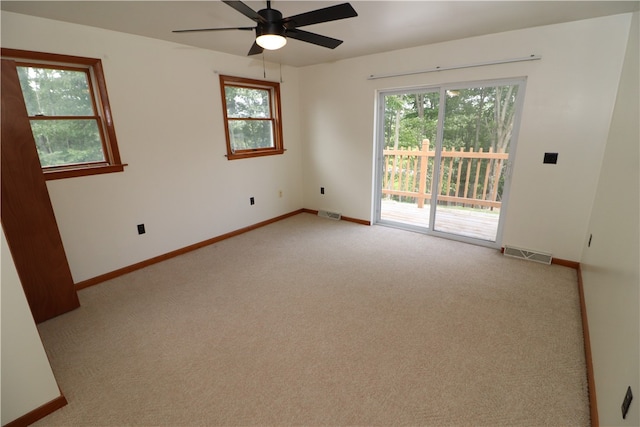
column 68, row 108
column 252, row 117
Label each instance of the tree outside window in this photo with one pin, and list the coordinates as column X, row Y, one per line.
column 252, row 117
column 62, row 115
column 67, row 107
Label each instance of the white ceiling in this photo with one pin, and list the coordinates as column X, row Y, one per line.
column 380, row 25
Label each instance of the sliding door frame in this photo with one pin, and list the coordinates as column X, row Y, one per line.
column 379, row 142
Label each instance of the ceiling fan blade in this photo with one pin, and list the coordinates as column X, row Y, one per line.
column 214, row 29
column 331, row 13
column 245, row 10
column 255, row 49
column 313, row 38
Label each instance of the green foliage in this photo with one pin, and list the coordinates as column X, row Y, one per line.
column 55, row 92
column 411, row 118
column 63, row 121
column 471, row 117
column 250, row 134
column 478, row 118
column 253, row 104
column 245, row 102
column 62, row 142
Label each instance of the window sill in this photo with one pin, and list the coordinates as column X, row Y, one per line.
column 258, row 153
column 82, row 171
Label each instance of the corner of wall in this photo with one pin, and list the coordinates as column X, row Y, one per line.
column 27, row 379
column 610, row 271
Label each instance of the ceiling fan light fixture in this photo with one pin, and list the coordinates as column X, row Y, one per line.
column 271, row 41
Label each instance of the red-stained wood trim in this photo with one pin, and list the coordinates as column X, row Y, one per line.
column 243, row 154
column 28, row 219
column 45, row 56
column 50, row 175
column 113, row 153
column 558, row 261
column 275, row 110
column 591, row 382
column 565, row 263
column 122, row 271
column 356, row 220
column 38, row 413
column 53, row 118
column 109, row 141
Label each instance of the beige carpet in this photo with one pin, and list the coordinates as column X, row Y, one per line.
column 310, row 321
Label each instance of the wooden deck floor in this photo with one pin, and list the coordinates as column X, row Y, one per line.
column 464, row 222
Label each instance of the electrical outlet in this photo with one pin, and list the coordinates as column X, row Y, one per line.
column 280, row 193
column 321, row 190
column 141, row 229
column 626, row 402
column 550, row 158
column 252, row 201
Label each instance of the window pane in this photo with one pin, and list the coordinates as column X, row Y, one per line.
column 243, row 102
column 250, row 134
column 61, row 142
column 52, row 92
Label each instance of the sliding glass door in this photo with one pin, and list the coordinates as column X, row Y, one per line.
column 443, row 157
column 410, row 121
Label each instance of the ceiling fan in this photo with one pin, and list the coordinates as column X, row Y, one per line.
column 272, row 29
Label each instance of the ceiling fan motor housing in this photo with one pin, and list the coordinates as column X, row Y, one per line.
column 273, row 24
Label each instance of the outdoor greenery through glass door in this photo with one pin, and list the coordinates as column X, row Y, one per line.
column 448, row 178
column 410, row 128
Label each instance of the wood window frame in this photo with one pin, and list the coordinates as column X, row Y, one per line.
column 273, row 89
column 102, row 110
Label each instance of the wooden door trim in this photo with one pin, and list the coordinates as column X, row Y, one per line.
column 27, row 215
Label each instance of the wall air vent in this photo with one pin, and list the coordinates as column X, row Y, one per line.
column 528, row 255
column 330, row 215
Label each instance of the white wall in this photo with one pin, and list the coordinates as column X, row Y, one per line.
column 27, row 379
column 610, row 267
column 568, row 104
column 167, row 112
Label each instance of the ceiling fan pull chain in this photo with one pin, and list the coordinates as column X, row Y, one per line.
column 264, row 69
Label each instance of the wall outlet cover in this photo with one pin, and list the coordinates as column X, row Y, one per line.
column 551, row 158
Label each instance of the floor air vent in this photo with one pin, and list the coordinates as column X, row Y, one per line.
column 330, row 215
column 528, row 255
